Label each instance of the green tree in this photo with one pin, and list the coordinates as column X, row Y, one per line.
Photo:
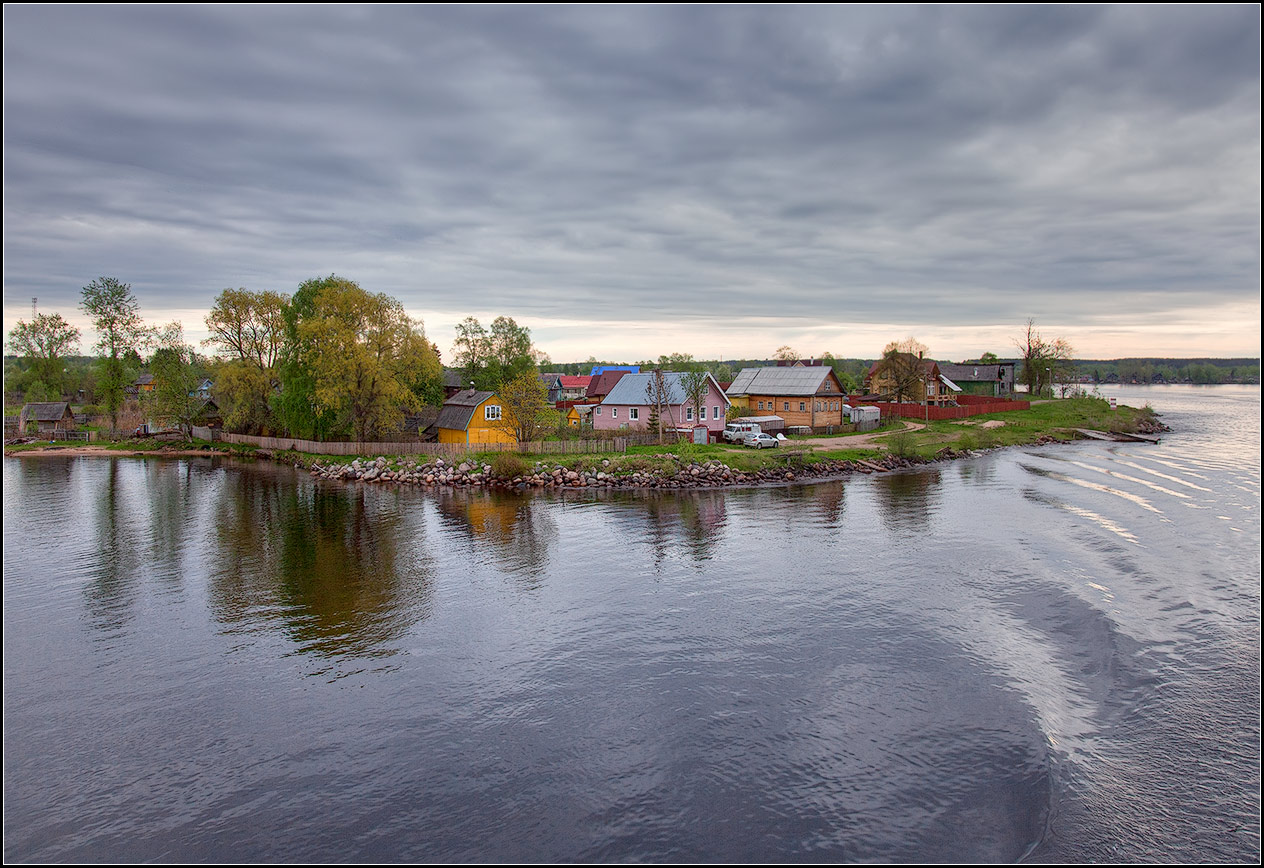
column 365, row 353
column 177, row 372
column 121, row 333
column 295, row 406
column 248, row 330
column 527, row 412
column 45, row 341
column 510, row 351
column 471, row 352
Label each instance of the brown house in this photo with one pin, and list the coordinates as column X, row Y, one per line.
column 804, row 395
column 912, row 380
column 46, row 417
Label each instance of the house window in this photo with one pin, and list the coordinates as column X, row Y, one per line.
column 614, row 412
column 802, row 406
column 596, row 411
column 785, row 405
column 761, row 405
column 634, row 413
column 715, row 412
column 491, row 412
column 689, row 414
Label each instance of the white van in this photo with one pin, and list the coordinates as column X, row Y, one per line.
column 735, row 432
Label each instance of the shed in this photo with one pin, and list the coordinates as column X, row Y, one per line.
column 46, row 417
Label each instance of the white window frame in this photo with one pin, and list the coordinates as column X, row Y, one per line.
column 634, row 413
column 597, row 411
column 715, row 412
column 489, row 415
column 614, row 412
column 689, row 414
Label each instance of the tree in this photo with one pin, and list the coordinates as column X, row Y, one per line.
column 510, row 351
column 365, row 351
column 988, row 359
column 1044, row 361
column 696, row 385
column 295, row 406
column 45, row 341
column 471, row 351
column 248, row 329
column 177, row 372
column 658, row 396
column 527, row 412
column 786, row 354
column 902, row 372
column 121, row 332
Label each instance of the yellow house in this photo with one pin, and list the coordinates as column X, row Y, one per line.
column 580, row 416
column 474, row 417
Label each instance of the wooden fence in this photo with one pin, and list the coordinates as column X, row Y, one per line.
column 416, row 447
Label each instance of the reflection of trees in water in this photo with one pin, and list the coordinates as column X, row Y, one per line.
column 907, row 500
column 174, row 491
column 324, row 560
column 518, row 528
column 692, row 518
column 118, row 525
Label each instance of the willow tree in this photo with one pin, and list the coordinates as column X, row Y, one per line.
column 248, row 330
column 365, row 352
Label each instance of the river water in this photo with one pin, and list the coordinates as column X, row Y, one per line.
column 1048, row 653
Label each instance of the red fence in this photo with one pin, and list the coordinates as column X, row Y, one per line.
column 978, row 405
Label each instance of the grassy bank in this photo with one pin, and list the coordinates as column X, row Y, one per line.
column 1044, row 421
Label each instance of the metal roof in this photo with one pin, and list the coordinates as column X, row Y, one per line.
column 633, row 389
column 805, row 380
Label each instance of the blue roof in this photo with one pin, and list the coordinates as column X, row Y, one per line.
column 598, row 369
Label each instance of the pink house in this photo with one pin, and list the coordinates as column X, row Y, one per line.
column 629, row 403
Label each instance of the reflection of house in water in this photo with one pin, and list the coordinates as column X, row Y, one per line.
column 908, row 500
column 692, row 518
column 517, row 530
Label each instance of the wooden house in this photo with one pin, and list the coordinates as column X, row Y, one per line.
column 926, row 385
column 471, row 416
column 803, row 395
column 45, row 417
column 631, row 405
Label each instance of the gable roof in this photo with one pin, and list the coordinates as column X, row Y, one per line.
column 973, row 373
column 45, row 411
column 602, row 383
column 553, row 381
column 929, row 366
column 143, row 380
column 459, row 409
column 798, row 380
column 634, row 389
column 627, row 369
column 571, row 382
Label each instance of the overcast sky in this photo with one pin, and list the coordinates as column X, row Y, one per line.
column 630, row 181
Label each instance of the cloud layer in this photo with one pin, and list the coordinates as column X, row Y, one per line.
column 706, row 179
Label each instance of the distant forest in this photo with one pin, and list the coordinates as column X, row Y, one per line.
column 852, row 371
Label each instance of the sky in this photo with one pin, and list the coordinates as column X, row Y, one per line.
column 630, row 181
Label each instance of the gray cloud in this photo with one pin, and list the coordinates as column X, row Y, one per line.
column 928, row 166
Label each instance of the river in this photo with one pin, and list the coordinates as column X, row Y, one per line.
column 1046, row 653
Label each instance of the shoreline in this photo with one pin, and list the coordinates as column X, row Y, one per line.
column 678, row 474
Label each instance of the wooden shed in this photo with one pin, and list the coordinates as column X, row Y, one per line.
column 46, row 417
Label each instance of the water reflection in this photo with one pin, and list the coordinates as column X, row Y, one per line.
column 518, row 529
column 337, row 565
column 119, row 551
column 907, row 501
column 690, row 520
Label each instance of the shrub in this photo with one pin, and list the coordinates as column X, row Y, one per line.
column 900, row 444
column 507, row 465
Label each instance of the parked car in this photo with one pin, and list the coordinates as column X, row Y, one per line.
column 737, row 432
column 761, row 441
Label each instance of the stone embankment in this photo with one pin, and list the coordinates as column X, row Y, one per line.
column 677, row 473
